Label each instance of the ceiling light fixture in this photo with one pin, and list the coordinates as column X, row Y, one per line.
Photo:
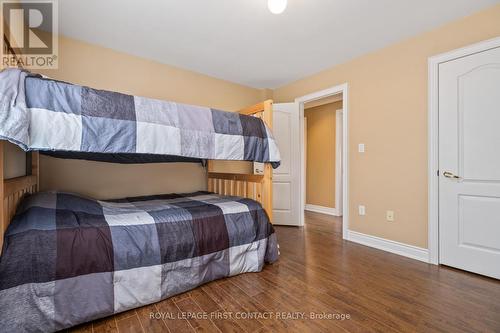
column 276, row 6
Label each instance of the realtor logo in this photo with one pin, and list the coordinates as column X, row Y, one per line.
column 30, row 34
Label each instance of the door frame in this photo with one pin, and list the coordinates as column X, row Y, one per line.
column 339, row 129
column 433, row 135
column 335, row 90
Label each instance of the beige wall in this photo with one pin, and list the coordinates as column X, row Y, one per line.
column 103, row 68
column 15, row 163
column 388, row 112
column 320, row 160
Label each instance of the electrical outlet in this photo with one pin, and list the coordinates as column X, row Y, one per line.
column 361, row 147
column 361, row 210
column 390, row 215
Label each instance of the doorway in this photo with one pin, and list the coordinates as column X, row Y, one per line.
column 323, row 154
column 333, row 94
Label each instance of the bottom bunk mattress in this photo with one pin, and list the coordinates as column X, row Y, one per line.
column 69, row 259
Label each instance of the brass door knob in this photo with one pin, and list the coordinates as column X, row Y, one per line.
column 448, row 174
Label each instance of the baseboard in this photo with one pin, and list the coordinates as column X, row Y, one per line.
column 401, row 249
column 322, row 210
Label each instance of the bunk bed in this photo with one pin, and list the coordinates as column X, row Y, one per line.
column 69, row 259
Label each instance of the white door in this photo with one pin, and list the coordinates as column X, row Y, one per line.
column 286, row 180
column 469, row 163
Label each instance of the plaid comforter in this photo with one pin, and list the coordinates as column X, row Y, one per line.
column 43, row 114
column 69, row 259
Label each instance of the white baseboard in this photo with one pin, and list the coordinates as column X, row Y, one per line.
column 401, row 249
column 322, row 210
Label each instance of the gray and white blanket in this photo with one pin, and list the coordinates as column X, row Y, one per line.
column 68, row 259
column 47, row 115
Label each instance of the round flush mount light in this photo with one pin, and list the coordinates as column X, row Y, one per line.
column 276, row 6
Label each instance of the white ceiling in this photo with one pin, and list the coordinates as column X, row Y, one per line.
column 241, row 41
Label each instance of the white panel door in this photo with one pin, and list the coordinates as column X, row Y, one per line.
column 286, row 180
column 469, row 163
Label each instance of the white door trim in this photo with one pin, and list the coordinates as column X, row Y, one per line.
column 340, row 89
column 433, row 132
column 338, row 161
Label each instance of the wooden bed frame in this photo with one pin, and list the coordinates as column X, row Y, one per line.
column 257, row 187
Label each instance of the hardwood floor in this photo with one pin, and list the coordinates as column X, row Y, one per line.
column 319, row 272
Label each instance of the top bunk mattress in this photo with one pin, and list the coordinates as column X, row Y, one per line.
column 69, row 259
column 41, row 114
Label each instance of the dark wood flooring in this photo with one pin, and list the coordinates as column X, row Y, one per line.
column 360, row 288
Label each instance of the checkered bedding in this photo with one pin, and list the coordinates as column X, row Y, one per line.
column 68, row 259
column 43, row 114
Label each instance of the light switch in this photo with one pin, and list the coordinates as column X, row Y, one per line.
column 390, row 215
column 361, row 210
column 361, row 147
